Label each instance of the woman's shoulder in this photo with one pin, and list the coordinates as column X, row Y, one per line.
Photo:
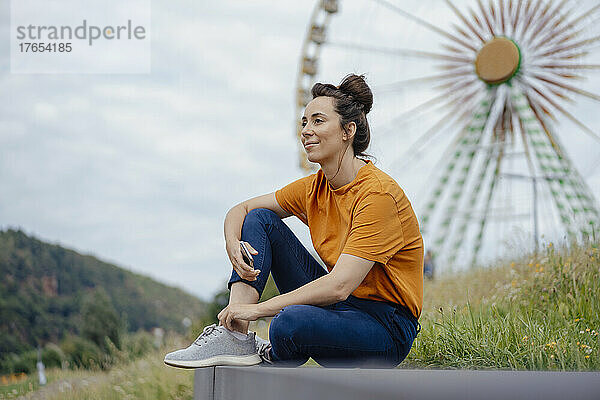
column 379, row 184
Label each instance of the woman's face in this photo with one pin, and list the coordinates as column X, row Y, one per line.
column 321, row 130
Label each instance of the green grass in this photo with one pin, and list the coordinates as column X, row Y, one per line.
column 537, row 313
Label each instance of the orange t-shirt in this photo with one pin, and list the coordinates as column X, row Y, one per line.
column 370, row 218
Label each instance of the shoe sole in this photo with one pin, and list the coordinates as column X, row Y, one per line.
column 240, row 361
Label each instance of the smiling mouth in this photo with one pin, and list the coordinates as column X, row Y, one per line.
column 306, row 146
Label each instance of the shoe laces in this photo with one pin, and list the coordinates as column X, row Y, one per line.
column 206, row 333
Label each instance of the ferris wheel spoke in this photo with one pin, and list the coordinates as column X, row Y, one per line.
column 571, row 56
column 517, row 14
column 550, row 35
column 447, row 96
column 566, row 113
column 452, row 66
column 465, row 101
column 493, row 16
column 572, row 46
column 543, row 25
column 464, row 20
column 530, row 18
column 539, row 22
column 399, row 52
column 552, row 90
column 477, row 21
column 416, row 147
column 449, row 85
column 567, row 32
column 560, row 75
column 409, row 82
column 521, row 17
column 464, row 34
column 569, row 88
column 567, row 66
column 426, row 24
column 539, row 107
column 486, row 18
column 502, row 18
column 455, row 50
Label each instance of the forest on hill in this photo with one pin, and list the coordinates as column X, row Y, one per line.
column 49, row 293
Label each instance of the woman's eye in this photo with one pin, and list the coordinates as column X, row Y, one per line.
column 303, row 123
column 318, row 120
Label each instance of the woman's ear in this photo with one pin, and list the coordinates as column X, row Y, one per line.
column 349, row 131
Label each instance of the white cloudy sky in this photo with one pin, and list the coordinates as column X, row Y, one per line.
column 140, row 170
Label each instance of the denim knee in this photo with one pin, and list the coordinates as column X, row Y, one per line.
column 285, row 323
column 283, row 335
column 260, row 216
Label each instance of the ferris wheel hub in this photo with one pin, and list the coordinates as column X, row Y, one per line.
column 498, row 61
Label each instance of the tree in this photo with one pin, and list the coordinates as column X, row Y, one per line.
column 100, row 319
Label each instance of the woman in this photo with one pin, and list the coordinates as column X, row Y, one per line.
column 364, row 310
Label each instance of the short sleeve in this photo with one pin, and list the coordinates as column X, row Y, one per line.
column 376, row 231
column 292, row 197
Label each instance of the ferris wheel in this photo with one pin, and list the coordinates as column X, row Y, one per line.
column 507, row 75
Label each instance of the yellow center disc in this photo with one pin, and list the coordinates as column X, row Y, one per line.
column 497, row 61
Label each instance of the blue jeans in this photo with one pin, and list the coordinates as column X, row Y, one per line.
column 351, row 333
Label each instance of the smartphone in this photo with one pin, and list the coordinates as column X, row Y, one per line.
column 246, row 255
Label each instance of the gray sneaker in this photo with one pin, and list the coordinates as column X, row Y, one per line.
column 215, row 346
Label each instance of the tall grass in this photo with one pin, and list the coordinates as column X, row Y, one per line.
column 541, row 312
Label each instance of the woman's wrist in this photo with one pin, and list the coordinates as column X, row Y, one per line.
column 269, row 308
column 231, row 226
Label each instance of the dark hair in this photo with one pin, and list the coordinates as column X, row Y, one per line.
column 353, row 100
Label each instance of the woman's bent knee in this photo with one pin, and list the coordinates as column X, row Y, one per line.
column 288, row 322
column 261, row 214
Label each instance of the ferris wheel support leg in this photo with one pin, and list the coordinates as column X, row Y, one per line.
column 495, row 113
column 577, row 193
column 483, row 221
column 546, row 158
column 460, row 233
column 464, row 159
column 581, row 194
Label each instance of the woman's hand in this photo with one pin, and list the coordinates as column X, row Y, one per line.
column 245, row 312
column 237, row 261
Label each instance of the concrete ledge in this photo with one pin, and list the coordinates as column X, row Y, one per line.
column 266, row 383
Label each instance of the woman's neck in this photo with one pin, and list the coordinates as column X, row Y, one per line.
column 348, row 170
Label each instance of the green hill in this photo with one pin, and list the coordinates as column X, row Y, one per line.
column 43, row 287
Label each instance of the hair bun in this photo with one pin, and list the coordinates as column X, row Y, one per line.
column 355, row 86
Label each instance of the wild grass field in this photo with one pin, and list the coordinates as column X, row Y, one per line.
column 540, row 312
column 537, row 312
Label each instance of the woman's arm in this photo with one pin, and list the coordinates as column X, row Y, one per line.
column 233, row 230
column 236, row 215
column 344, row 278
